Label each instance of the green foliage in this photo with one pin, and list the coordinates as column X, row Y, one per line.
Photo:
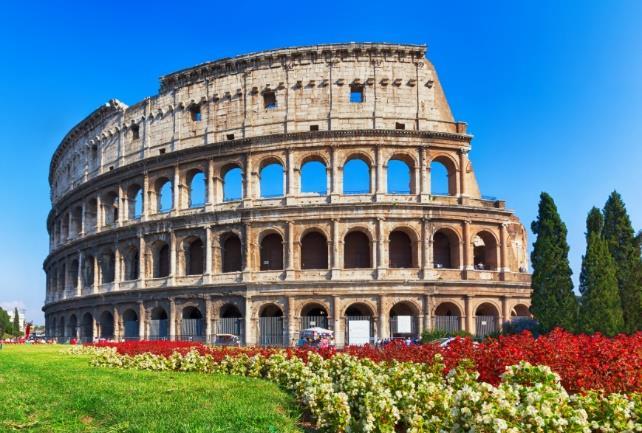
column 436, row 334
column 16, row 323
column 553, row 301
column 45, row 391
column 625, row 249
column 6, row 327
column 600, row 309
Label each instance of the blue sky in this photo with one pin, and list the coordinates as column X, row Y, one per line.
column 551, row 90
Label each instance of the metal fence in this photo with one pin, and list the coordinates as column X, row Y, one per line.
column 271, row 331
column 404, row 326
column 231, row 325
column 450, row 324
column 485, row 325
column 158, row 329
column 192, row 330
column 131, row 330
column 314, row 321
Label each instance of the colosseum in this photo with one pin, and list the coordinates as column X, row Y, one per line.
column 271, row 192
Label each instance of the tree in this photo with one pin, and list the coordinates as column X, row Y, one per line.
column 553, row 301
column 600, row 308
column 625, row 249
column 16, row 322
column 5, row 323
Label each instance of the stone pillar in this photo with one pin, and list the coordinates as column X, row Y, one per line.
column 99, row 213
column 211, row 185
column 117, row 271
column 335, row 170
column 384, row 328
column 467, row 247
column 339, row 332
column 291, row 326
column 470, row 318
column 209, row 329
column 247, row 249
column 427, row 319
column 142, row 321
column 248, row 178
column 503, row 234
column 380, row 263
column 290, row 242
column 463, row 163
column 176, row 198
column 147, row 195
column 122, row 205
column 289, row 181
column 337, row 257
column 250, row 330
column 83, row 209
column 79, row 280
column 172, row 319
column 426, row 246
column 208, row 252
column 380, row 186
column 172, row 254
column 142, row 262
column 97, row 278
column 117, row 332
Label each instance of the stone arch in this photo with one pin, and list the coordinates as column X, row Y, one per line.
column 194, row 255
column 106, row 325
column 164, row 191
column 357, row 249
column 445, row 244
column 271, row 177
column 271, row 251
column 230, row 310
column 314, row 250
column 402, row 248
column 447, row 317
column 72, row 326
column 196, row 182
column 134, row 201
column 232, row 181
column 73, row 273
column 107, row 266
column 487, row 319
column 400, row 174
column 159, row 324
column 313, row 176
column 404, row 320
column 231, row 252
column 359, row 309
column 314, row 314
column 485, row 251
column 271, row 325
column 448, row 308
column 357, row 174
column 87, row 327
column 131, row 257
column 131, row 324
column 61, row 327
column 110, row 208
column 449, row 169
column 89, row 277
column 192, row 323
column 160, row 259
column 520, row 310
column 76, row 221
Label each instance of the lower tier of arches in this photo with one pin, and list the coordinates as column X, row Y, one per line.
column 275, row 318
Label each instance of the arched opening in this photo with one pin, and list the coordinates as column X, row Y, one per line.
column 88, row 271
column 485, row 251
column 314, row 251
column 445, row 245
column 132, row 264
column 194, row 258
column 231, row 253
column 443, row 176
column 61, row 329
column 192, row 324
column 73, row 274
column 130, row 322
column 359, row 325
column 164, row 195
column 400, row 250
column 271, row 326
column 197, row 189
column 356, row 177
column 486, row 320
column 72, row 327
column 161, row 260
column 404, row 321
column 91, row 213
column 52, row 329
column 87, row 328
column 107, row 267
column 272, row 252
column 313, row 178
column 230, row 321
column 106, row 326
column 110, row 208
column 399, row 177
column 158, row 325
column 76, row 221
column 356, row 250
column 448, row 318
column 135, row 202
column 520, row 310
column 271, row 180
column 232, row 183
column 314, row 315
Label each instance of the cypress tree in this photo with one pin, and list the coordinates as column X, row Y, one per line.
column 600, row 308
column 625, row 250
column 16, row 322
column 553, row 301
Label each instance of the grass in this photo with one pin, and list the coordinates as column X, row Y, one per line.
column 44, row 390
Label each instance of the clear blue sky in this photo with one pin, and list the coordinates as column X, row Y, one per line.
column 551, row 90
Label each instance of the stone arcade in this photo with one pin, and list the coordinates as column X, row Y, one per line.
column 161, row 226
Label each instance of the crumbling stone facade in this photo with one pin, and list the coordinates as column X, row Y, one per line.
column 125, row 264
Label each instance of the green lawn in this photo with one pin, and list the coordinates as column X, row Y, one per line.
column 44, row 390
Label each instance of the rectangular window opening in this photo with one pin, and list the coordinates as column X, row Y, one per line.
column 269, row 100
column 400, row 125
column 135, row 132
column 356, row 93
column 314, row 127
column 230, row 136
column 195, row 110
column 162, row 151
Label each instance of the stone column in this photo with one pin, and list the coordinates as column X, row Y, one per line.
column 176, row 198
column 505, row 311
column 426, row 247
column 289, row 181
column 337, row 259
column 208, row 253
column 99, row 213
column 209, row 329
column 142, row 321
column 290, row 242
column 83, row 209
column 470, row 319
column 172, row 319
column 97, row 277
column 247, row 249
column 339, row 332
column 292, row 324
column 250, row 334
column 335, row 189
column 380, row 263
column 211, row 186
column 463, row 162
column 147, row 195
column 117, row 271
column 426, row 313
column 142, row 262
column 467, row 247
column 503, row 234
column 122, row 205
column 172, row 255
column 380, row 187
column 384, row 328
column 117, row 333
column 248, row 178
column 79, row 282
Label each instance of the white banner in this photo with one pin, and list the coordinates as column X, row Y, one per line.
column 404, row 324
column 359, row 332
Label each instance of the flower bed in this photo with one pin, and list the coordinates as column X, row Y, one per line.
column 583, row 362
column 345, row 393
